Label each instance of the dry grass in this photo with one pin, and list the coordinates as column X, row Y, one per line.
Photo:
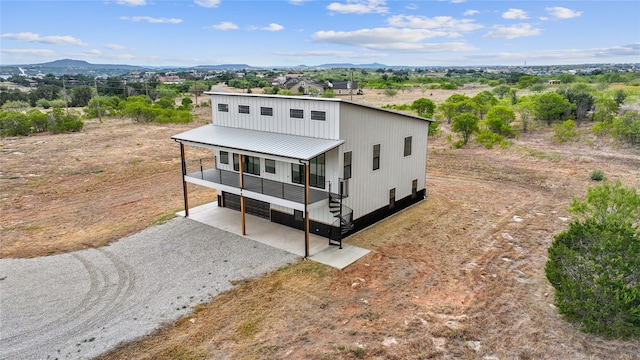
column 457, row 276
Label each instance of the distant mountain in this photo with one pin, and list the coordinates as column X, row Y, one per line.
column 69, row 63
column 225, row 67
column 355, row 66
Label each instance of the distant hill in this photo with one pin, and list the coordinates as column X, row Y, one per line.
column 225, row 67
column 355, row 66
column 69, row 63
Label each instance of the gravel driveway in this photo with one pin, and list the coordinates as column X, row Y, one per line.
column 81, row 304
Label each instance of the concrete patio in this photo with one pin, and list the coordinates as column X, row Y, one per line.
column 276, row 235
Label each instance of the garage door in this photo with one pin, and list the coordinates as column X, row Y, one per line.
column 252, row 206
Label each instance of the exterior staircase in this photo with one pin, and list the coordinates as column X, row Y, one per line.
column 343, row 214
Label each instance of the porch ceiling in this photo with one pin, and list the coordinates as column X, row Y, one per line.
column 275, row 144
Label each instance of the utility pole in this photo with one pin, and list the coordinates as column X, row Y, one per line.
column 64, row 90
column 95, row 84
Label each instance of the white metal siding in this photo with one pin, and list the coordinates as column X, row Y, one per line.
column 361, row 128
column 280, row 122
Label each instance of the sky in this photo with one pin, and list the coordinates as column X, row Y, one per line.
column 308, row 32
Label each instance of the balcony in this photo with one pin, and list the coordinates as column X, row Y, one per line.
column 286, row 191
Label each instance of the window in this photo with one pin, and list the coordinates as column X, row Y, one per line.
column 297, row 173
column 223, row 107
column 250, row 164
column 224, row 157
column 270, row 166
column 414, row 188
column 316, row 171
column 318, row 115
column 376, row 157
column 296, row 113
column 346, row 174
column 243, row 109
column 392, row 198
column 266, row 111
column 407, row 146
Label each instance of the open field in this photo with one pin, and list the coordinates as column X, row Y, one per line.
column 459, row 275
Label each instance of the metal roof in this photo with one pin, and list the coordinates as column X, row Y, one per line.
column 269, row 143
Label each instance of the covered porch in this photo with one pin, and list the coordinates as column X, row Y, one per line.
column 283, row 147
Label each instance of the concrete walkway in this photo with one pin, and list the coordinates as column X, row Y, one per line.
column 276, row 235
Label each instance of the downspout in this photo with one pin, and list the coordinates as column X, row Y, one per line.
column 306, row 211
column 244, row 225
column 184, row 182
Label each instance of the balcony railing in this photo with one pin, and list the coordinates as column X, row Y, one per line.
column 260, row 185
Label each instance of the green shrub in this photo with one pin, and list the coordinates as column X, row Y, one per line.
column 65, row 123
column 15, row 105
column 594, row 264
column 564, row 131
column 13, row 123
column 43, row 103
column 597, row 175
column 434, row 128
column 488, row 138
column 58, row 104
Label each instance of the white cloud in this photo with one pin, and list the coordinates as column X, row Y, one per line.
column 515, row 14
column 359, row 7
column 207, row 3
column 115, row 46
column 93, row 52
column 512, row 32
column 443, row 23
column 471, row 12
column 457, row 1
column 151, row 20
column 225, row 25
column 38, row 52
column 559, row 12
column 271, row 27
column 330, row 53
column 632, row 49
column 55, row 39
column 132, row 2
column 411, row 6
column 297, row 2
column 384, row 39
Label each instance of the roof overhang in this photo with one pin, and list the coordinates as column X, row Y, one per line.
column 260, row 142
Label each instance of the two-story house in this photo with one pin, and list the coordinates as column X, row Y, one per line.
column 327, row 166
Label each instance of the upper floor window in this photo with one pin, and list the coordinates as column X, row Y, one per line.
column 407, row 146
column 224, row 157
column 250, row 164
column 318, row 115
column 296, row 113
column 243, row 109
column 297, row 173
column 223, row 107
column 266, row 111
column 376, row 157
column 346, row 174
column 270, row 166
column 316, row 171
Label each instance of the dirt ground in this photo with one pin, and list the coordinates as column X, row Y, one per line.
column 458, row 276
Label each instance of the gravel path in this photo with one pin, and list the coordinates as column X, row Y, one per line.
column 81, row 304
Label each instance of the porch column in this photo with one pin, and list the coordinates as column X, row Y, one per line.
column 184, row 182
column 306, row 211
column 244, row 225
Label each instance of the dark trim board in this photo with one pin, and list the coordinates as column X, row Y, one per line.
column 318, row 228
column 290, row 220
column 383, row 212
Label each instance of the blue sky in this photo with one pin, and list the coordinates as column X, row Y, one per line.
column 293, row 32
